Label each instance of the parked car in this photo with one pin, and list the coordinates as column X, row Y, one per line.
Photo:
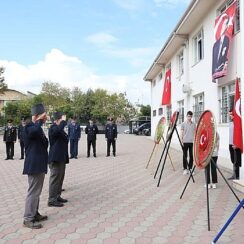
column 147, row 132
column 139, row 130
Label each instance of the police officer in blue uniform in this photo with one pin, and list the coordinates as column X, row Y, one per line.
column 21, row 137
column 9, row 138
column 58, row 158
column 111, row 136
column 35, row 165
column 74, row 133
column 91, row 130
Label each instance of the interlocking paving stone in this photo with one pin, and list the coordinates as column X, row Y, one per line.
column 116, row 200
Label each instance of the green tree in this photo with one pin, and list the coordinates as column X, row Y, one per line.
column 3, row 86
column 145, row 110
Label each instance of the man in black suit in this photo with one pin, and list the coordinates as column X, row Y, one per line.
column 35, row 165
column 111, row 136
column 9, row 138
column 91, row 130
column 220, row 52
column 57, row 159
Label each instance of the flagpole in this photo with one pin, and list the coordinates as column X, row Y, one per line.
column 241, row 2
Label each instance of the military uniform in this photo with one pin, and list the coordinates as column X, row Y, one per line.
column 74, row 133
column 21, row 139
column 91, row 130
column 57, row 159
column 111, row 136
column 9, row 138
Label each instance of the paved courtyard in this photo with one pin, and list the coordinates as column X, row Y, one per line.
column 116, row 200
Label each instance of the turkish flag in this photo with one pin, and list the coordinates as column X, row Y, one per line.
column 237, row 119
column 166, row 98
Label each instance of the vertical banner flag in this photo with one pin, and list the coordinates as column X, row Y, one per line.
column 166, row 98
column 237, row 119
column 223, row 31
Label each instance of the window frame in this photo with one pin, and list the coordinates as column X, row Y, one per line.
column 198, row 53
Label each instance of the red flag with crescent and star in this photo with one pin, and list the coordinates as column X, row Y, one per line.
column 166, row 98
column 237, row 140
column 223, row 31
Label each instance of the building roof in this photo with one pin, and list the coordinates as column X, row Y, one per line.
column 192, row 17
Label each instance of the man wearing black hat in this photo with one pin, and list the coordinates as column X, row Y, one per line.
column 9, row 138
column 111, row 136
column 91, row 131
column 57, row 159
column 35, row 165
column 74, row 133
column 21, row 137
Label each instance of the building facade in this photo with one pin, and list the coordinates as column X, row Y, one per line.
column 188, row 53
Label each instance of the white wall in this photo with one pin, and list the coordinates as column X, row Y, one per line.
column 200, row 78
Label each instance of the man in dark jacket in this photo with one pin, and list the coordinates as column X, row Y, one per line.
column 21, row 138
column 91, row 131
column 57, row 159
column 9, row 138
column 111, row 136
column 74, row 133
column 35, row 165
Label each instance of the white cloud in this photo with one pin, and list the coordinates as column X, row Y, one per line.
column 69, row 72
column 101, row 39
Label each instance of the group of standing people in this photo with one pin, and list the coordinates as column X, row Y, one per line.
column 188, row 129
column 74, row 133
column 37, row 158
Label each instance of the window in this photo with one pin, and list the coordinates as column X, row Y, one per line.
column 181, row 63
column 168, row 112
column 154, row 113
column 160, row 76
column 198, row 46
column 237, row 17
column 226, row 101
column 198, row 106
column 181, row 111
column 160, row 111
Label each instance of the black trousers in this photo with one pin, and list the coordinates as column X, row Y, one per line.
column 22, row 149
column 187, row 147
column 89, row 143
column 10, row 149
column 235, row 156
column 109, row 142
column 211, row 166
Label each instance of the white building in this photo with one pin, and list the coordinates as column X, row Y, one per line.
column 188, row 51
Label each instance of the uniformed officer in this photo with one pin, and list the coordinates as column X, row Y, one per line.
column 58, row 158
column 9, row 138
column 35, row 165
column 21, row 137
column 74, row 133
column 111, row 136
column 91, row 130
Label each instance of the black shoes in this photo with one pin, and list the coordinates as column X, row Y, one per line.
column 21, row 158
column 88, row 156
column 232, row 177
column 40, row 217
column 94, row 155
column 32, row 224
column 55, row 204
column 62, row 200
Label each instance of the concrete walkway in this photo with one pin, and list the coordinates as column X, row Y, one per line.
column 116, row 200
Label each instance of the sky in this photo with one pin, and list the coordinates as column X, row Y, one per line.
column 108, row 44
